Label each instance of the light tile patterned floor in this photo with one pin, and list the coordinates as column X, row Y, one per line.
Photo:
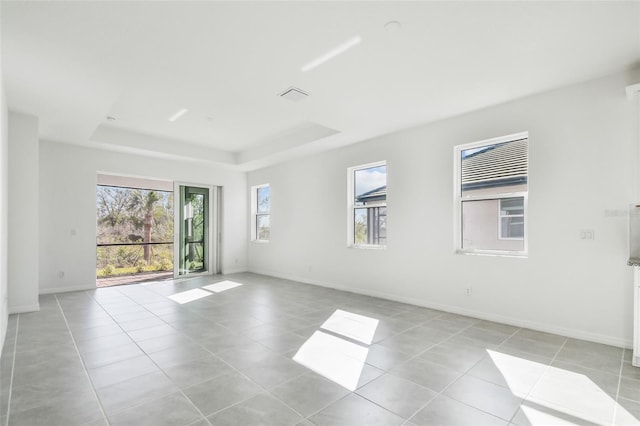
column 131, row 356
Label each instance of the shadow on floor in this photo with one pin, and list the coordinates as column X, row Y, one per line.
column 134, row 279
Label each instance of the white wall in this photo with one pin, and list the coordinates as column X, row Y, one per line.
column 582, row 160
column 68, row 200
column 4, row 189
column 23, row 213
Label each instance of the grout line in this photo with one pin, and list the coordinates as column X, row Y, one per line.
column 353, row 392
column 160, row 369
column 616, row 405
column 122, row 409
column 454, row 381
column 414, row 357
column 148, row 401
column 409, row 359
column 264, row 390
column 433, row 345
column 13, row 369
column 84, row 367
column 547, row 368
column 191, row 402
column 201, row 346
column 197, row 422
column 324, row 406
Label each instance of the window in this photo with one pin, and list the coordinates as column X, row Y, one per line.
column 491, row 187
column 512, row 218
column 135, row 226
column 367, row 221
column 261, row 207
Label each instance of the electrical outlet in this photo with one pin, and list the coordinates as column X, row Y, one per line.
column 587, row 234
column 61, row 274
column 468, row 291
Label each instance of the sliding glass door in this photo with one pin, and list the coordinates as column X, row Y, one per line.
column 195, row 227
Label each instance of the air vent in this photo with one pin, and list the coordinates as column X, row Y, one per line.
column 294, row 94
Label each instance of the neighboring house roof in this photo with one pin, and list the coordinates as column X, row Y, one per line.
column 498, row 165
column 378, row 194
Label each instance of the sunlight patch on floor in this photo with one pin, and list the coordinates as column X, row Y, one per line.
column 520, row 374
column 222, row 286
column 353, row 326
column 559, row 396
column 336, row 359
column 189, row 296
column 199, row 293
column 540, row 417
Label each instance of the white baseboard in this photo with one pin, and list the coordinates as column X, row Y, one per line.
column 24, row 309
column 228, row 271
column 488, row 316
column 52, row 290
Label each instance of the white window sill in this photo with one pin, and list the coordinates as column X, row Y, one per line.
column 260, row 241
column 492, row 254
column 367, row 247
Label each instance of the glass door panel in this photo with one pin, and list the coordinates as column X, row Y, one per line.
column 193, row 256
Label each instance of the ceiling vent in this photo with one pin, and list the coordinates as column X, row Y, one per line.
column 294, row 94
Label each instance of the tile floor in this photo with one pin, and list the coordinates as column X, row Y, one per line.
column 131, row 356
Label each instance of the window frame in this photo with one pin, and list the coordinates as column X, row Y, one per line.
column 459, row 199
column 351, row 207
column 255, row 214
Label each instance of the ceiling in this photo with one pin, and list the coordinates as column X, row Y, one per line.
column 73, row 64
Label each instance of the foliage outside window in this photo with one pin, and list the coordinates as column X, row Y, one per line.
column 261, row 206
column 367, row 222
column 127, row 218
column 491, row 191
column 194, row 215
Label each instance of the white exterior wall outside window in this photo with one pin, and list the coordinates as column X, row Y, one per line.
column 491, row 194
column 511, row 215
column 367, row 205
column 261, row 213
